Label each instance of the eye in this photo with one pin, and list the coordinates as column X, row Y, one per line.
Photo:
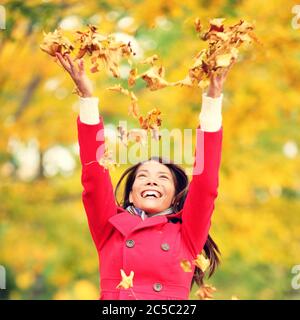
column 141, row 175
column 165, row 177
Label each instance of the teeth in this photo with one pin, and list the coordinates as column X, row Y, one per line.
column 150, row 193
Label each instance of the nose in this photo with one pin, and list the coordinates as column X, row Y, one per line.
column 151, row 182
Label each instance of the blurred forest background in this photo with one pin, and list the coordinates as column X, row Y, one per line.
column 45, row 244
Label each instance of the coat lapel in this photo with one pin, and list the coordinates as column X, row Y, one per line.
column 126, row 223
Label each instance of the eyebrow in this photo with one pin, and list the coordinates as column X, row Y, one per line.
column 157, row 172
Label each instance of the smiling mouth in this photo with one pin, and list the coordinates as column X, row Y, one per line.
column 151, row 194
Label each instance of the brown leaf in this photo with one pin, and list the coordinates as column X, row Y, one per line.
column 132, row 77
column 198, row 25
column 54, row 42
column 222, row 51
column 149, row 60
column 205, row 292
column 154, row 80
column 103, row 48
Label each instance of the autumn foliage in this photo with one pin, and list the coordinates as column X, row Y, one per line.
column 155, row 68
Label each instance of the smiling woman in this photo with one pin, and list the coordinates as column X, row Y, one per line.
column 153, row 189
column 158, row 232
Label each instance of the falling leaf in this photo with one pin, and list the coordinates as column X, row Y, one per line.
column 138, row 135
column 119, row 88
column 187, row 81
column 107, row 160
column 198, row 25
column 186, row 265
column 205, row 292
column 150, row 60
column 153, row 78
column 127, row 281
column 201, row 262
column 151, row 122
column 122, row 135
column 133, row 108
column 222, row 50
column 104, row 49
column 135, row 135
column 132, row 77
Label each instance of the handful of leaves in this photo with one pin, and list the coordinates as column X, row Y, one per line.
column 106, row 54
column 222, row 51
column 55, row 42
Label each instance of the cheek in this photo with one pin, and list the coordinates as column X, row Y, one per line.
column 170, row 190
column 135, row 190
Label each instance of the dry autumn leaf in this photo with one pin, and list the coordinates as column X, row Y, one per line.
column 138, row 136
column 135, row 135
column 152, row 122
column 132, row 77
column 123, row 135
column 104, row 49
column 205, row 292
column 107, row 160
column 201, row 262
column 186, row 265
column 54, row 42
column 149, row 60
column 127, row 281
column 154, row 78
column 222, row 51
column 133, row 108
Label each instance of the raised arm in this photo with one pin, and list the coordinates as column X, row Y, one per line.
column 203, row 189
column 97, row 196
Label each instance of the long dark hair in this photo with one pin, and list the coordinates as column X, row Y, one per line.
column 180, row 178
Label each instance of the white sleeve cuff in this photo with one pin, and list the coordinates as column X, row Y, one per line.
column 88, row 110
column 210, row 116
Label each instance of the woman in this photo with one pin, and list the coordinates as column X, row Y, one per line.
column 162, row 220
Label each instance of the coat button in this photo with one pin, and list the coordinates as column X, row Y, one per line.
column 157, row 287
column 130, row 243
column 165, row 246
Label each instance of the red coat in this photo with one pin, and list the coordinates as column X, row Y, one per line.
column 154, row 247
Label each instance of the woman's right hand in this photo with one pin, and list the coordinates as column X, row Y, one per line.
column 77, row 73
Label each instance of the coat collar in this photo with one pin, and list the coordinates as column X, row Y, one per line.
column 126, row 223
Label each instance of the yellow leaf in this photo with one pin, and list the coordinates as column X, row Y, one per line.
column 223, row 60
column 54, row 42
column 127, row 281
column 186, row 265
column 202, row 262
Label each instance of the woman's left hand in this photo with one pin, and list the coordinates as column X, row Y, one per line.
column 217, row 81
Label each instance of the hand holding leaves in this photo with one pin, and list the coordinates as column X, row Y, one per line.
column 217, row 80
column 76, row 70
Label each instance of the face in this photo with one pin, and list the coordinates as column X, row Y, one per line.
column 153, row 189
